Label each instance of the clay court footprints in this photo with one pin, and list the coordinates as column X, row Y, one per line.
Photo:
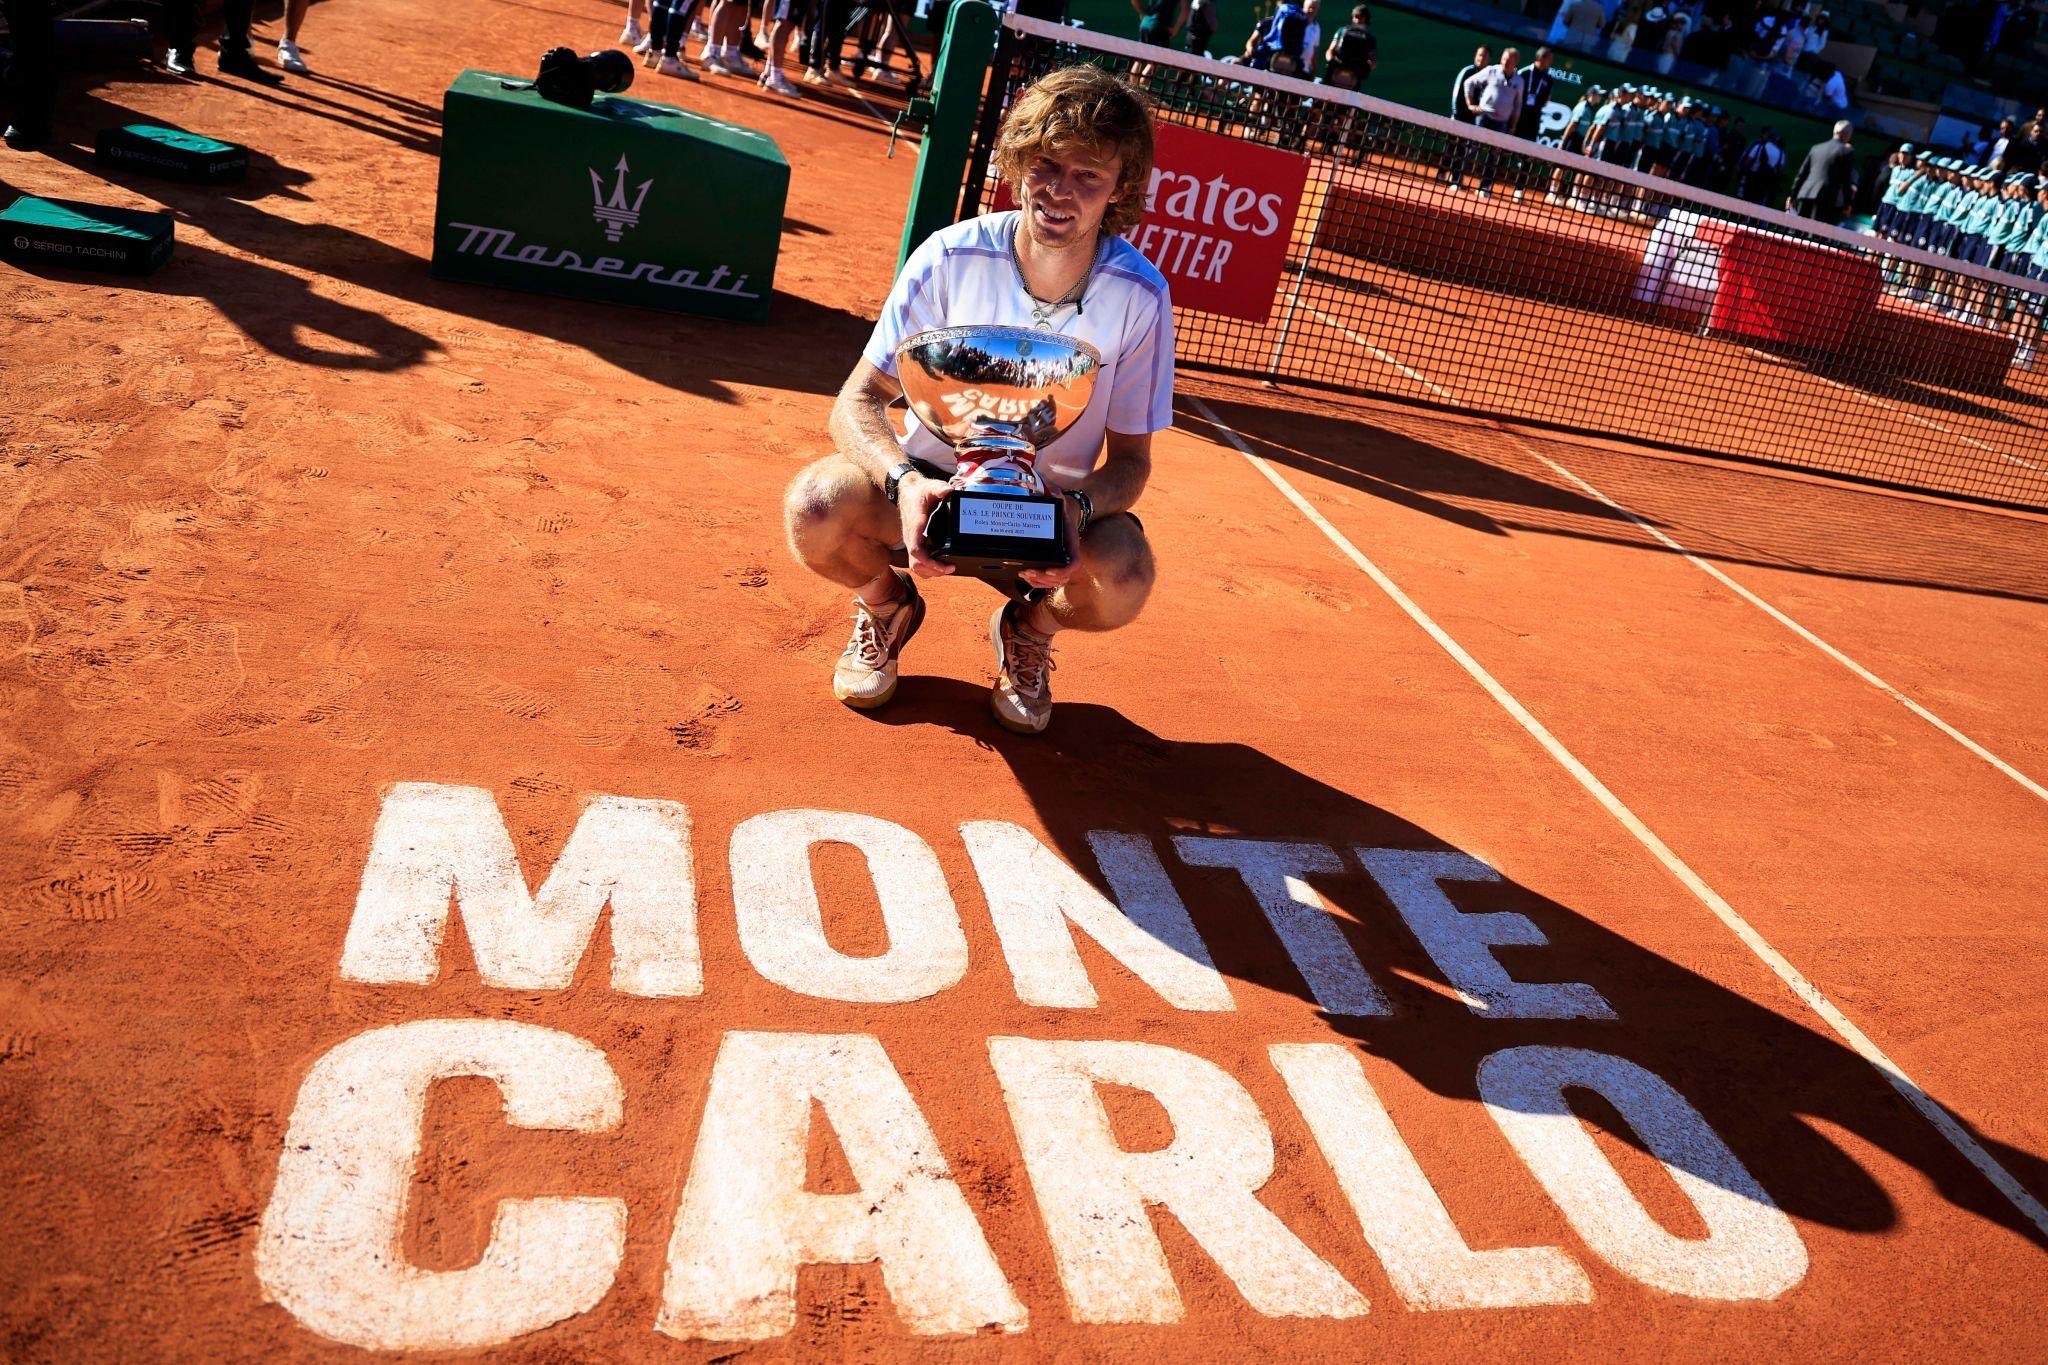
column 96, row 895
column 602, row 706
column 209, row 1248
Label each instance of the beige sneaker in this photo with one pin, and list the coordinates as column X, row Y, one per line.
column 1022, row 695
column 866, row 674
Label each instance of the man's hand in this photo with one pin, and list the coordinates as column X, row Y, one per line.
column 916, row 496
column 1053, row 578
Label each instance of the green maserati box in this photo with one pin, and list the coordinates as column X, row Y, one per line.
column 84, row 236
column 624, row 202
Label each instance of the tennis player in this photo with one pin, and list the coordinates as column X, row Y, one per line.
column 1076, row 152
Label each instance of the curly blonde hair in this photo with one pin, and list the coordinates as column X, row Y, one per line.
column 1081, row 107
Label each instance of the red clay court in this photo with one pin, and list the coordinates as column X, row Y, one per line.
column 1510, row 892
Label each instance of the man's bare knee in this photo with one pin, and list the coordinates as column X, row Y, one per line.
column 1117, row 572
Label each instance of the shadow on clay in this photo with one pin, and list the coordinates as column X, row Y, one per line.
column 1765, row 1081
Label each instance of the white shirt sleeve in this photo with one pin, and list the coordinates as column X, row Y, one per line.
column 916, row 303
column 1142, row 399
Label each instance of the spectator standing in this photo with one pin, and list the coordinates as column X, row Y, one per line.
column 1817, row 35
column 1622, row 37
column 1729, row 144
column 1312, row 40
column 1160, row 20
column 1353, row 52
column 639, row 22
column 1348, row 65
column 1578, row 125
column 1536, row 83
column 783, row 18
column 1756, row 174
column 181, row 25
column 1583, row 20
column 1201, row 26
column 1826, row 178
column 2029, row 152
column 1495, row 94
column 1834, row 89
column 1668, row 48
column 1463, row 111
column 1278, row 46
column 2001, row 143
column 288, row 55
column 668, row 24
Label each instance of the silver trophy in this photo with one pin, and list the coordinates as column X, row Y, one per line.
column 999, row 395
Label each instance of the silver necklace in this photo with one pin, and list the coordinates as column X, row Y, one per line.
column 1042, row 311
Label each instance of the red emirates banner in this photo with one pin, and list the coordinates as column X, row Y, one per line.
column 1219, row 213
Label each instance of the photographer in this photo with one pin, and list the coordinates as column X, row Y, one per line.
column 1076, row 151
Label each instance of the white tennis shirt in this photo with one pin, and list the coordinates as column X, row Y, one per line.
column 963, row 277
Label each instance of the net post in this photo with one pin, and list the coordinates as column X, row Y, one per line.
column 956, row 98
column 1315, row 233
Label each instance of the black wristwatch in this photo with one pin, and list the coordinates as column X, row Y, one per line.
column 894, row 483
column 1087, row 508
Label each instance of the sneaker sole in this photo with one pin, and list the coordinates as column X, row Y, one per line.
column 874, row 703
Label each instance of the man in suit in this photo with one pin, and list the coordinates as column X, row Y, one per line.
column 1826, row 178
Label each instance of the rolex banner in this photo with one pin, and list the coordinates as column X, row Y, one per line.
column 612, row 203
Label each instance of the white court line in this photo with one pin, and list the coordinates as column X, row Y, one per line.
column 1718, row 576
column 1944, row 1122
column 1409, row 370
column 1801, row 631
column 1909, row 416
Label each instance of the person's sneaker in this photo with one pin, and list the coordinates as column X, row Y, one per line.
column 235, row 62
column 1022, row 695
column 630, row 35
column 25, row 137
column 813, row 76
column 670, row 66
column 646, row 45
column 883, row 75
column 775, row 83
column 865, row 676
column 737, row 65
column 178, row 61
column 290, row 58
column 712, row 60
column 1484, row 193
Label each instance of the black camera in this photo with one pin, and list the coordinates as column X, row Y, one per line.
column 566, row 78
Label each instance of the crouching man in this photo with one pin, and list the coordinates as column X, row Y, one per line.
column 1076, row 153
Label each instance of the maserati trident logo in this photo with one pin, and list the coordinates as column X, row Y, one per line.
column 615, row 212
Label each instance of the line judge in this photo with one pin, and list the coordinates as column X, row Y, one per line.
column 1076, row 152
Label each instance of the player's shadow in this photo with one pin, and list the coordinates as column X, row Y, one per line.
column 1769, row 1082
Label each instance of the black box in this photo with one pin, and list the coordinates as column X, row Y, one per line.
column 84, row 236
column 173, row 153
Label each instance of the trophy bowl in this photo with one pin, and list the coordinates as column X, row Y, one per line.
column 998, row 395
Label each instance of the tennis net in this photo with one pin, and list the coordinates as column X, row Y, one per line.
column 1419, row 258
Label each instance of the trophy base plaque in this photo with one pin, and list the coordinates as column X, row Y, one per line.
column 999, row 535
